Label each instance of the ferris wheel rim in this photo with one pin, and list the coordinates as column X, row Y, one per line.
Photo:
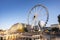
column 44, row 8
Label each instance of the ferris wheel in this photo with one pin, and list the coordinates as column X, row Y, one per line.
column 38, row 16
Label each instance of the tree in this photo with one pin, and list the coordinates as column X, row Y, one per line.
column 55, row 29
column 25, row 29
column 59, row 19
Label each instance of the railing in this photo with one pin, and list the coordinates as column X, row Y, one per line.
column 16, row 37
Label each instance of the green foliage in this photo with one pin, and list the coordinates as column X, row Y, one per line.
column 59, row 19
column 25, row 29
column 55, row 29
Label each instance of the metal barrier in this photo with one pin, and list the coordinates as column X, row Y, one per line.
column 19, row 37
column 25, row 37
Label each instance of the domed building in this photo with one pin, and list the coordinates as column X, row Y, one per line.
column 18, row 27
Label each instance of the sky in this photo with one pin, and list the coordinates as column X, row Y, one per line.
column 15, row 11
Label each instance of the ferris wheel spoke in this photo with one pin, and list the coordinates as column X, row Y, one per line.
column 38, row 13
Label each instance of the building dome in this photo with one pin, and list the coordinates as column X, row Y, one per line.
column 18, row 27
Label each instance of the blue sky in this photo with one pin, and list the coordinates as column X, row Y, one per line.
column 14, row 11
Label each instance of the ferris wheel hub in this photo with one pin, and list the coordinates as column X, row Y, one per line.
column 37, row 14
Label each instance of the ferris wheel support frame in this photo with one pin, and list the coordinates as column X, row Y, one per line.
column 44, row 8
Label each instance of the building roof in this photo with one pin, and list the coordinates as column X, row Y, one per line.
column 54, row 25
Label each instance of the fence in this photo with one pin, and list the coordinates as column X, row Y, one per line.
column 19, row 37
